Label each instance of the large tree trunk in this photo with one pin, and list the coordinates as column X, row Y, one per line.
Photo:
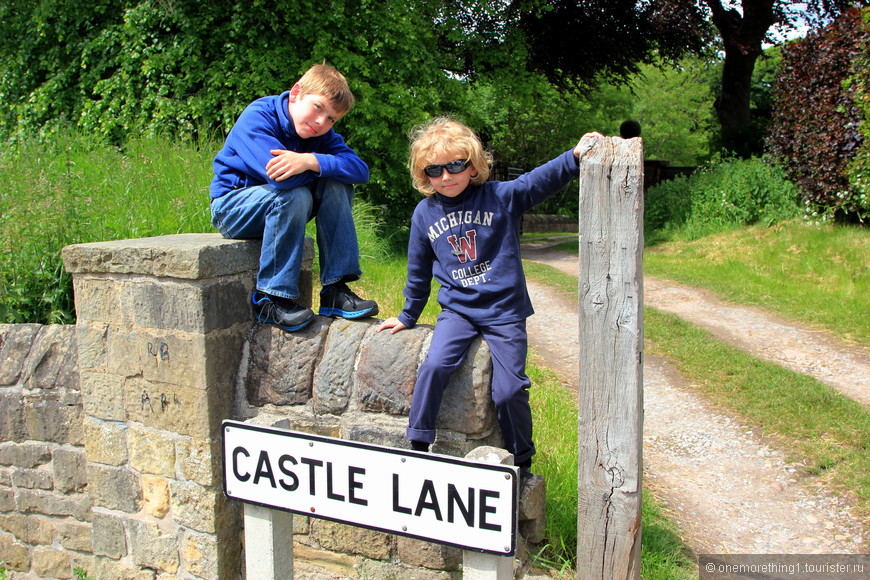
column 742, row 35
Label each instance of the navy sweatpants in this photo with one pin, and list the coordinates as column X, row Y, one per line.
column 508, row 346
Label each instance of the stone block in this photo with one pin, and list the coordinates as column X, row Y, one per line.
column 77, row 506
column 114, row 488
column 91, row 340
column 428, row 554
column 186, row 256
column 105, row 443
column 15, row 343
column 533, row 509
column 16, row 556
column 103, row 395
column 105, row 569
column 30, row 529
column 387, row 370
column 197, row 307
column 109, row 536
column 204, row 509
column 7, row 499
column 155, row 496
column 75, row 536
column 199, row 460
column 69, row 465
column 169, row 358
column 26, row 455
column 49, row 417
column 281, row 364
column 353, row 540
column 333, row 377
column 53, row 359
column 186, row 411
column 201, row 555
column 377, row 429
column 12, row 425
column 98, row 299
column 51, row 563
column 151, row 452
column 153, row 547
column 32, row 479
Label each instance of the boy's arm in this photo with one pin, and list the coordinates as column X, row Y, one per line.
column 338, row 161
column 254, row 137
column 419, row 282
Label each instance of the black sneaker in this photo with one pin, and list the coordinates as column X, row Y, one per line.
column 281, row 312
column 338, row 300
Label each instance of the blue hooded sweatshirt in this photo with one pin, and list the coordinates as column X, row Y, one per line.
column 471, row 245
column 264, row 125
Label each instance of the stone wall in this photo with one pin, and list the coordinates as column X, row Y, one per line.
column 45, row 509
column 110, row 450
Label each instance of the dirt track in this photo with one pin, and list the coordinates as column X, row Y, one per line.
column 729, row 490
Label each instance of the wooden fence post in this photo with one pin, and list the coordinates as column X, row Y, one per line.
column 611, row 359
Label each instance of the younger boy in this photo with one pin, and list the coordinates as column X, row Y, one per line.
column 465, row 234
column 281, row 165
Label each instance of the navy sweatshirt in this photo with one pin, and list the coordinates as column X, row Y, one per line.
column 264, row 125
column 471, row 245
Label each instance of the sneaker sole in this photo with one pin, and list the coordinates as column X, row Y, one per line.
column 327, row 311
column 300, row 326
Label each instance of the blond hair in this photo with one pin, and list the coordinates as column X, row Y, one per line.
column 322, row 79
column 445, row 137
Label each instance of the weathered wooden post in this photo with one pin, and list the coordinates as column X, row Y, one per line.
column 611, row 359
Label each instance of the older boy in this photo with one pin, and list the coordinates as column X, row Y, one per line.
column 281, row 165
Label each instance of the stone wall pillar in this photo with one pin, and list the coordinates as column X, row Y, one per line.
column 161, row 324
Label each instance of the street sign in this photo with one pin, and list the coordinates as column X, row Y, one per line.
column 462, row 503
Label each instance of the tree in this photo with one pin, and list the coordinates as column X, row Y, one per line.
column 819, row 110
column 578, row 40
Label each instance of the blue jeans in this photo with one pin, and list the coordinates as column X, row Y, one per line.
column 278, row 217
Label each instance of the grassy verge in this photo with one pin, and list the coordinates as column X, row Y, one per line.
column 818, row 275
column 820, row 429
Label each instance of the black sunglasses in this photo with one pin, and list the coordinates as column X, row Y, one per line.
column 452, row 168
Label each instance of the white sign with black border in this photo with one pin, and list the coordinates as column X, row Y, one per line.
column 452, row 501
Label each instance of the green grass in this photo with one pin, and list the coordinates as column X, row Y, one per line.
column 819, row 275
column 820, row 429
column 815, row 274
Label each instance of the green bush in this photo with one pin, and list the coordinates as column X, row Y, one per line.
column 730, row 194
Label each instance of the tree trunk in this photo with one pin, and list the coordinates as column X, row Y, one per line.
column 733, row 103
column 742, row 35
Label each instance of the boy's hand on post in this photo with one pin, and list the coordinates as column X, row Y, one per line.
column 289, row 163
column 394, row 324
column 586, row 143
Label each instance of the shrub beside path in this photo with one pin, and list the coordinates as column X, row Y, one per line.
column 727, row 489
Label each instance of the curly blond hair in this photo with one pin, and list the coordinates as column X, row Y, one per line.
column 447, row 137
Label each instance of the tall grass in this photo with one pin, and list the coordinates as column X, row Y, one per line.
column 69, row 189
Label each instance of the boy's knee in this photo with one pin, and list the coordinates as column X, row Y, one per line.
column 505, row 395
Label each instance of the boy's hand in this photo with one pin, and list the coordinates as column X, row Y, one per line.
column 585, row 143
column 286, row 164
column 392, row 323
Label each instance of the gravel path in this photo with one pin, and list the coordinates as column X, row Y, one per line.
column 728, row 490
